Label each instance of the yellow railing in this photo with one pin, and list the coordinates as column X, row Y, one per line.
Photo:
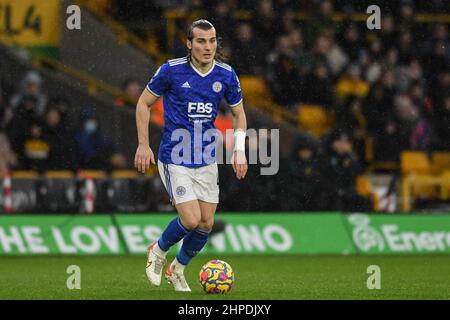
column 67, row 174
column 93, row 84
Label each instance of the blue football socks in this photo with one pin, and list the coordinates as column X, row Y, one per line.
column 174, row 232
column 193, row 243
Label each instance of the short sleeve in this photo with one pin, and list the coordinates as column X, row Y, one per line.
column 160, row 82
column 233, row 95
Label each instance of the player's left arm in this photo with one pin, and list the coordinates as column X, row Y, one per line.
column 238, row 160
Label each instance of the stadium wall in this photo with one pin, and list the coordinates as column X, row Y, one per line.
column 244, row 234
column 100, row 52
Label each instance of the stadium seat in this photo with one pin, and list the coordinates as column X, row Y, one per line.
column 314, row 119
column 364, row 188
column 255, row 90
column 445, row 188
column 414, row 162
column 440, row 162
column 417, row 163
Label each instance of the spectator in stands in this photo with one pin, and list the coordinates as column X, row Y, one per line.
column 302, row 57
column 379, row 104
column 132, row 89
column 264, row 22
column 340, row 169
column 288, row 22
column 301, row 177
column 387, row 32
column 247, row 57
column 35, row 151
column 386, row 142
column 6, row 113
column 60, row 139
column 439, row 35
column 317, row 87
column 351, row 43
column 18, row 129
column 405, row 46
column 31, row 85
column 437, row 62
column 282, row 74
column 223, row 20
column 414, row 130
column 406, row 13
column 443, row 123
column 327, row 52
column 407, row 74
column 351, row 84
column 370, row 67
column 350, row 117
column 417, row 95
column 93, row 150
column 322, row 20
column 8, row 158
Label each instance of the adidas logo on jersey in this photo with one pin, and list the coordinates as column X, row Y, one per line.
column 186, row 85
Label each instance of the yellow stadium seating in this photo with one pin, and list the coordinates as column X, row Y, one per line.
column 314, row 119
column 440, row 162
column 445, row 188
column 414, row 162
column 417, row 165
column 364, row 188
column 255, row 90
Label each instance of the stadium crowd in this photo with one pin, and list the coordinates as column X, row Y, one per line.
column 36, row 135
column 391, row 84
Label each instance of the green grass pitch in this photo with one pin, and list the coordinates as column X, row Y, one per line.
column 256, row 277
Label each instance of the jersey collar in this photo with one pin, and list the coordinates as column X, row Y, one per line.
column 203, row 74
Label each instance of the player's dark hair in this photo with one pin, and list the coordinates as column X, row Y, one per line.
column 205, row 25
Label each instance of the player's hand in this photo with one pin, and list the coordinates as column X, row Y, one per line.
column 143, row 158
column 239, row 163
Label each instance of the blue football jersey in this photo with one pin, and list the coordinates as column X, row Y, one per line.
column 191, row 101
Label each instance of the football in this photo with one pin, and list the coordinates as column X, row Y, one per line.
column 216, row 276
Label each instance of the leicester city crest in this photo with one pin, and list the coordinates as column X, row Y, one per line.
column 217, row 86
column 181, row 191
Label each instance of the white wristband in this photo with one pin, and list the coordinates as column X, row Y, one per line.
column 239, row 140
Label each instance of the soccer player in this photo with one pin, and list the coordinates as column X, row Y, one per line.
column 193, row 88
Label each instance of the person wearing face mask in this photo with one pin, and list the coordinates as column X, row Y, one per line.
column 93, row 150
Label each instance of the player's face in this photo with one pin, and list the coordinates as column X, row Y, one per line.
column 204, row 45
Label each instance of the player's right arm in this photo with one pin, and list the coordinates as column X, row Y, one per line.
column 158, row 86
column 144, row 154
